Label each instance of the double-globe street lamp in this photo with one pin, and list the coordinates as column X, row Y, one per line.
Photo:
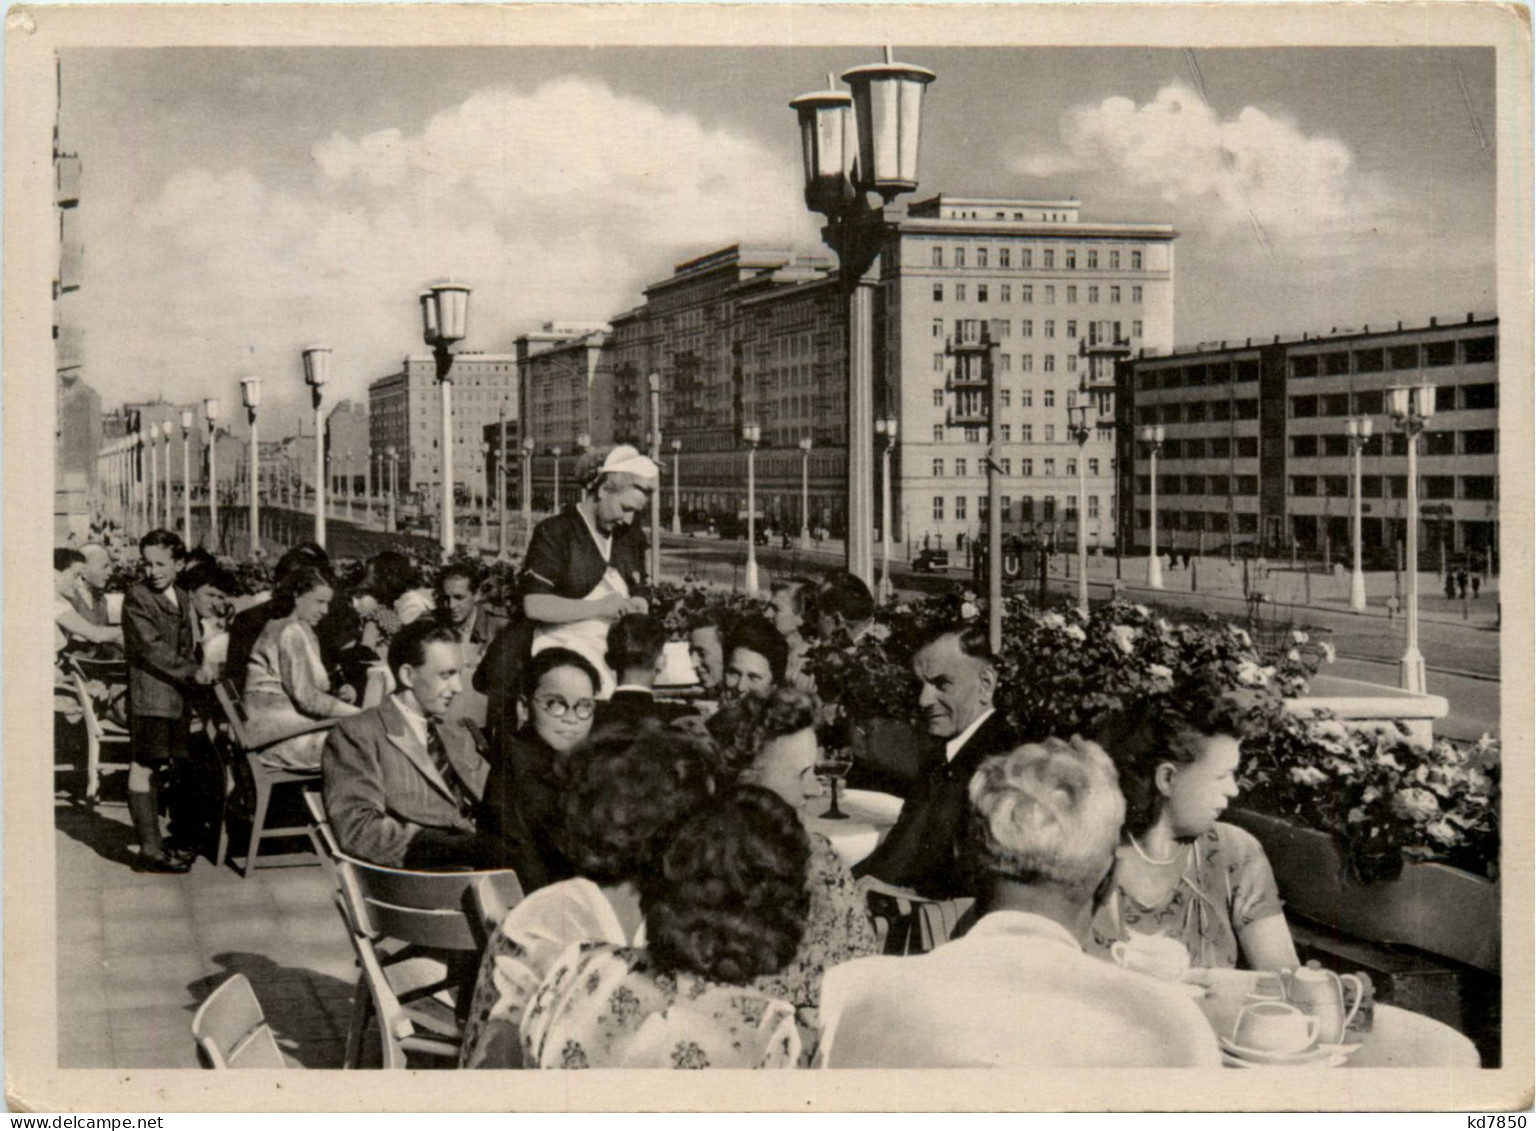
column 250, row 392
column 1359, row 429
column 444, row 320
column 1079, row 429
column 394, row 484
column 211, row 413
column 186, row 474
column 1153, row 436
column 1411, row 407
column 317, row 371
column 167, row 430
column 677, row 491
column 751, row 436
column 886, row 101
column 527, row 492
column 805, row 492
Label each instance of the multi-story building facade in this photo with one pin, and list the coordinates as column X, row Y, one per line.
column 405, row 413
column 347, row 447
column 565, row 375
column 1256, row 451
column 1057, row 295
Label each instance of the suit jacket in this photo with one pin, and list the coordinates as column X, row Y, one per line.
column 628, row 705
column 484, row 627
column 525, row 798
column 161, row 646
column 919, row 852
column 382, row 790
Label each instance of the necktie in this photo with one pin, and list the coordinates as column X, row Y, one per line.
column 438, row 752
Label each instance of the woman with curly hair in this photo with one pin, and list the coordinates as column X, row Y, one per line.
column 725, row 909
column 771, row 743
column 622, row 796
column 1180, row 871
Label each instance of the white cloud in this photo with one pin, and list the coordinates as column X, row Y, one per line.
column 1304, row 190
column 560, row 203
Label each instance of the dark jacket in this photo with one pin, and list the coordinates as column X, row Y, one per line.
column 632, row 705
column 920, row 851
column 160, row 643
column 524, row 797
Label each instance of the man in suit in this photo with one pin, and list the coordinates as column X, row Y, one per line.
column 635, row 645
column 457, row 587
column 164, row 670
column 958, row 674
column 402, row 784
column 90, row 597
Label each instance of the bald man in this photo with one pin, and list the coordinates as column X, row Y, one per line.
column 90, row 596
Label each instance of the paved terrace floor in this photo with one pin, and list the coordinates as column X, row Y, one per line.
column 138, row 953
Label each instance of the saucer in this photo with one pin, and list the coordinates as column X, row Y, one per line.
column 1335, row 1061
column 1318, row 1056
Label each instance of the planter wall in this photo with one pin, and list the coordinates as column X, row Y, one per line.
column 1432, row 907
column 1359, row 704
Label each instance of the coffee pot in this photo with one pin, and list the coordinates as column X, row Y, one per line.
column 1320, row 993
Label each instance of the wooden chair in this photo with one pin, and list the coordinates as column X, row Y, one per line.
column 105, row 716
column 418, row 942
column 906, row 923
column 496, row 893
column 258, row 778
column 232, row 1032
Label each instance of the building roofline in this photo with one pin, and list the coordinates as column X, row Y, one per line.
column 1307, row 338
column 936, row 225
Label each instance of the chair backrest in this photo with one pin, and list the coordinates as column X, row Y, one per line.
column 230, row 1029
column 393, row 1023
column 430, row 909
column 83, row 672
column 496, row 893
column 234, row 711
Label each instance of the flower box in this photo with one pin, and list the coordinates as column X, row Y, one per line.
column 1432, row 907
column 1359, row 704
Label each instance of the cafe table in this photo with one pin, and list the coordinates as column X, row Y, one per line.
column 870, row 817
column 1399, row 1038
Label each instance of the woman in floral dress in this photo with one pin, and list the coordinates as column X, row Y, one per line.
column 772, row 743
column 1179, row 870
column 621, row 797
column 726, row 908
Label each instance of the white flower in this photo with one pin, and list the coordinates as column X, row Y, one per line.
column 1416, row 804
column 1157, row 671
column 969, row 611
column 1249, row 674
column 1053, row 620
column 1076, row 633
column 1124, row 637
column 1242, row 635
column 1163, row 625
column 1442, row 831
column 1329, row 655
column 1293, row 656
column 1143, row 610
column 1299, row 637
column 1308, row 775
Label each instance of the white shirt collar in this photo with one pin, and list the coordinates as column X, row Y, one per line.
column 634, row 687
column 1011, row 922
column 413, row 718
column 952, row 747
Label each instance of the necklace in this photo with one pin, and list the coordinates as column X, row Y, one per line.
column 1152, row 859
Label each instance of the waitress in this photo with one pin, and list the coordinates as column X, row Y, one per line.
column 586, row 565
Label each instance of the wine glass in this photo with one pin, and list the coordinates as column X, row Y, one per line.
column 834, row 766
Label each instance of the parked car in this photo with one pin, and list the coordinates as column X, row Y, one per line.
column 930, row 561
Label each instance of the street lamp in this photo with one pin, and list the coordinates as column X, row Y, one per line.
column 528, row 448
column 186, row 474
column 444, row 315
column 885, row 428
column 1079, row 429
column 677, row 513
column 152, row 442
column 211, row 412
column 317, row 371
column 501, row 480
column 886, row 101
column 805, row 492
column 751, row 435
column 166, row 428
column 1411, row 407
column 394, row 483
column 1153, row 436
column 1359, row 429
column 554, row 450
column 250, row 390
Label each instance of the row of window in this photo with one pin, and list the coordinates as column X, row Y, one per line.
column 1001, row 328
column 1477, row 487
column 1070, row 258
column 1214, row 522
column 1188, row 376
column 983, row 291
column 1448, row 398
column 1198, row 412
column 1026, row 467
column 1026, row 508
column 1212, row 447
column 1381, row 359
column 1222, row 485
column 1005, row 364
column 1476, row 442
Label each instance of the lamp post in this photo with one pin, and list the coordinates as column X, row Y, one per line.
column 394, row 484
column 167, row 430
column 886, row 99
column 186, row 474
column 555, row 451
column 1152, row 436
column 677, row 512
column 501, row 481
column 211, row 412
column 654, row 383
column 317, row 371
column 153, row 443
column 444, row 315
column 805, row 492
column 250, row 390
column 1411, row 407
column 885, row 428
column 751, row 435
column 1359, row 429
column 527, row 492
column 1079, row 429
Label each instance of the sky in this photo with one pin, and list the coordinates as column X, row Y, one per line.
column 239, row 204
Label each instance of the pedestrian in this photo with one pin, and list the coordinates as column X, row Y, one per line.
column 1461, row 583
column 1450, row 586
column 1476, row 585
column 1392, row 607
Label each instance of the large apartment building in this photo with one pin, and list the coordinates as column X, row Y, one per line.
column 405, row 413
column 1256, row 451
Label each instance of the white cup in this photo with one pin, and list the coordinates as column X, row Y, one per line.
column 1157, row 956
column 1274, row 1027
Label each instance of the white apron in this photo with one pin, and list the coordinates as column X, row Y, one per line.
column 588, row 638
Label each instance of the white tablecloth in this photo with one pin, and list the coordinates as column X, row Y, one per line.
column 870, row 817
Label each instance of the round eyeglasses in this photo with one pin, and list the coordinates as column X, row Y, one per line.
column 558, row 708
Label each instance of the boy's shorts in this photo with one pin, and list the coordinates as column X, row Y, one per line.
column 156, row 740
